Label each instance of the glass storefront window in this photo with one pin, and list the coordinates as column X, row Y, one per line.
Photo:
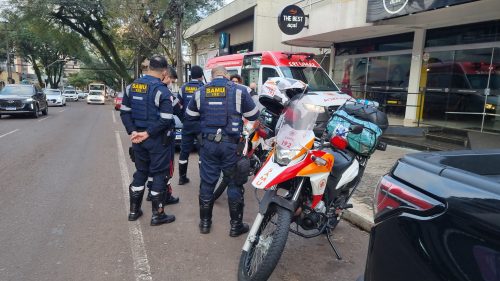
column 383, row 79
column 381, row 44
column 377, row 72
column 456, row 87
column 464, row 34
column 492, row 106
column 399, row 71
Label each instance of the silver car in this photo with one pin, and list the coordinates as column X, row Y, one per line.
column 70, row 95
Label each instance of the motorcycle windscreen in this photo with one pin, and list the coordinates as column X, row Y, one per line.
column 295, row 138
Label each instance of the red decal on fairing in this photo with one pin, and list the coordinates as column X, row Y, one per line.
column 316, row 200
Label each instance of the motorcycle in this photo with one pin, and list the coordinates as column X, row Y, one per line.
column 307, row 181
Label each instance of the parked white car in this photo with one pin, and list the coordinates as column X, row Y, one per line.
column 70, row 94
column 81, row 95
column 96, row 97
column 54, row 97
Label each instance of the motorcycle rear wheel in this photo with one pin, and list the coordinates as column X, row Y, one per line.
column 260, row 261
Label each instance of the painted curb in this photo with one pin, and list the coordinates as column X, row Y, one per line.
column 361, row 215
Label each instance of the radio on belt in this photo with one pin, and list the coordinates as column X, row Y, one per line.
column 218, row 135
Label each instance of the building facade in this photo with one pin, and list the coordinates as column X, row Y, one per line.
column 241, row 26
column 431, row 62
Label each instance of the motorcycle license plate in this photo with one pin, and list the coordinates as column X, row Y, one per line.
column 178, row 137
column 11, row 108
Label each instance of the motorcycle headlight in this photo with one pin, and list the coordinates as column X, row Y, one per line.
column 285, row 156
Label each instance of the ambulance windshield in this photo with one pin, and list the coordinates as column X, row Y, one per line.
column 316, row 78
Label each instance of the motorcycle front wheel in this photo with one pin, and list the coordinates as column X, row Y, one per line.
column 258, row 263
column 220, row 187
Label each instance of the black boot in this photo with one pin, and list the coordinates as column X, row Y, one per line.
column 205, row 215
column 170, row 199
column 159, row 216
column 236, row 214
column 135, row 204
column 183, row 179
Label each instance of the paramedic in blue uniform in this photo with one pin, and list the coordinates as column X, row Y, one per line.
column 220, row 106
column 147, row 115
column 190, row 128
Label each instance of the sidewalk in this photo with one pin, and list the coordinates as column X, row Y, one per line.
column 379, row 164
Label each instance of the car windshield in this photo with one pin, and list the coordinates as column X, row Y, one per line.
column 17, row 90
column 52, row 92
column 96, row 87
column 315, row 77
column 69, row 92
column 95, row 93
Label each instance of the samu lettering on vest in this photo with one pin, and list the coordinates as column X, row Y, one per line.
column 190, row 89
column 215, row 92
column 140, row 88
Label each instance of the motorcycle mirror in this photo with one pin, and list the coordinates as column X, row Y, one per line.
column 356, row 129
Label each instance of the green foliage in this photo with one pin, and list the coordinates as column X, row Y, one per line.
column 43, row 43
column 95, row 71
column 121, row 33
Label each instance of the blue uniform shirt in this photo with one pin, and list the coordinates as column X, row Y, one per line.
column 147, row 105
column 221, row 104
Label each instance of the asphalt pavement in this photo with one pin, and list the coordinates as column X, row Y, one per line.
column 63, row 213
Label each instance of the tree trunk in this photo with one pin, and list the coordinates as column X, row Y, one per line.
column 37, row 71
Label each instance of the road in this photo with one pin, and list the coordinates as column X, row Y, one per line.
column 63, row 213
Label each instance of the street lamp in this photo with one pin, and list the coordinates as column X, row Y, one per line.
column 61, row 60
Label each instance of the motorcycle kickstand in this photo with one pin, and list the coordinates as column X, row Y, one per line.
column 328, row 236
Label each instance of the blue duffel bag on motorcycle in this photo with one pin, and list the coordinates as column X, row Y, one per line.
column 364, row 143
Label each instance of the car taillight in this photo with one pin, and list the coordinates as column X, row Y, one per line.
column 391, row 195
column 338, row 142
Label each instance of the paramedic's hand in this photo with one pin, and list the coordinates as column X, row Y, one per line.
column 133, row 135
column 140, row 137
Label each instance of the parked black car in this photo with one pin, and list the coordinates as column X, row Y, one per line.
column 23, row 99
column 437, row 218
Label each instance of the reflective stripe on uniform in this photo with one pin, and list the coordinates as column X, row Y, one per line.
column 176, row 101
column 192, row 113
column 127, row 91
column 238, row 100
column 197, row 100
column 183, row 161
column 125, row 108
column 166, row 115
column 251, row 112
column 215, row 103
column 157, row 98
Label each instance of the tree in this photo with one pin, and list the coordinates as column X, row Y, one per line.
column 45, row 46
column 123, row 32
column 95, row 71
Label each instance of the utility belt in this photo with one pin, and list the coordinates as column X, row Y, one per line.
column 217, row 138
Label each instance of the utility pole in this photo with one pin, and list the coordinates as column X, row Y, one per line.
column 178, row 41
column 9, row 70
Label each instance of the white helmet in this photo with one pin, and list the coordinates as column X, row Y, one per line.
column 277, row 91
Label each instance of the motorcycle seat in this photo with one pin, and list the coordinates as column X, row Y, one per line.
column 341, row 161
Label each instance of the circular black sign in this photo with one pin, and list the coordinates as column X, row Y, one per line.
column 291, row 20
